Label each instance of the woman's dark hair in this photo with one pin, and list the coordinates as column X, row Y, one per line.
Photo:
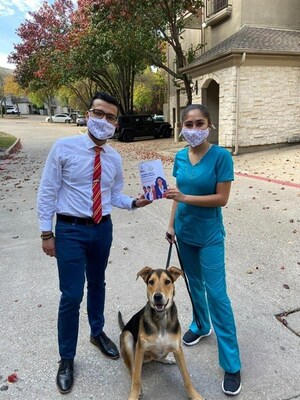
column 164, row 183
column 199, row 107
column 105, row 97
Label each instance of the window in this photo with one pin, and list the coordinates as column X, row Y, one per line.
column 214, row 6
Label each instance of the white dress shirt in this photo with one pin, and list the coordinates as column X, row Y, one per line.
column 66, row 183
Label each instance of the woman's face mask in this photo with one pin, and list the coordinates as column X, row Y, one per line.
column 195, row 137
column 100, row 128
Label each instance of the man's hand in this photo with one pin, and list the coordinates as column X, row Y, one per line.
column 48, row 247
column 142, row 202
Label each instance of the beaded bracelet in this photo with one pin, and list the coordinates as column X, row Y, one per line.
column 47, row 236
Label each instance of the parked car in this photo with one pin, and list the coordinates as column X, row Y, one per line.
column 60, row 118
column 81, row 121
column 12, row 110
column 131, row 126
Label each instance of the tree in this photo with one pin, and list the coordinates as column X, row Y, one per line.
column 41, row 67
column 39, row 58
column 40, row 97
column 11, row 87
column 166, row 21
column 2, row 96
column 61, row 46
column 4, row 72
column 150, row 91
column 115, row 50
column 142, row 97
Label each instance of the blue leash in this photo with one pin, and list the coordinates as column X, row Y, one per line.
column 185, row 279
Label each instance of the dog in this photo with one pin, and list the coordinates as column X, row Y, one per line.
column 154, row 331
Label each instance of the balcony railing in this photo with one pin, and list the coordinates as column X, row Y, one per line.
column 214, row 6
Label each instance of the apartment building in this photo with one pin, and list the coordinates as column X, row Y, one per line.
column 247, row 72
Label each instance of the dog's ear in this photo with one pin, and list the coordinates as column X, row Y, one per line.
column 175, row 272
column 144, row 273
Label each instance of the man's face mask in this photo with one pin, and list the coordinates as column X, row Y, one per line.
column 100, row 128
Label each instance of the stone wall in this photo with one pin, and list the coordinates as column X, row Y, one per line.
column 269, row 104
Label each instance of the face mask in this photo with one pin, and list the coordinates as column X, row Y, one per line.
column 195, row 136
column 100, row 128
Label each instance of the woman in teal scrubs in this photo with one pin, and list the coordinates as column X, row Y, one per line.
column 203, row 175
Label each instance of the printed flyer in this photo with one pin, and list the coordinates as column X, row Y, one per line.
column 153, row 179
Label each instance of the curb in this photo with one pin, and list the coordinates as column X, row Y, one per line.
column 263, row 178
column 4, row 154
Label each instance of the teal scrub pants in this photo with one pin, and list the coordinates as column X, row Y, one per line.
column 205, row 270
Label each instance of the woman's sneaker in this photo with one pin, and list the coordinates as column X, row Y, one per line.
column 232, row 383
column 190, row 338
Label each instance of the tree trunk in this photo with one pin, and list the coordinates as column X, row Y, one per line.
column 189, row 91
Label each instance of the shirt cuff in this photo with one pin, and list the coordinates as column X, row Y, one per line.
column 45, row 226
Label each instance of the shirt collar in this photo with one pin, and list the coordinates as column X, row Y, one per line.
column 90, row 144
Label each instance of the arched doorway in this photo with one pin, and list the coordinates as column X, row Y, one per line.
column 210, row 98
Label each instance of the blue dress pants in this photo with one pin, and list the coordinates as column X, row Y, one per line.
column 205, row 269
column 82, row 253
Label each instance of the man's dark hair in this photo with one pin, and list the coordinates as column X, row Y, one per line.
column 105, row 97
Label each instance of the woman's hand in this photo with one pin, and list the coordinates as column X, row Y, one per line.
column 170, row 235
column 175, row 194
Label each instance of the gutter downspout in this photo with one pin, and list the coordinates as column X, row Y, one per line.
column 237, row 107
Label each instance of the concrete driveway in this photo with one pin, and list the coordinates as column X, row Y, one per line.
column 263, row 268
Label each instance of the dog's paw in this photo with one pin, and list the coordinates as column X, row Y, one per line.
column 168, row 360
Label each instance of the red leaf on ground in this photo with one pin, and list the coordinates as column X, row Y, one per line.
column 12, row 378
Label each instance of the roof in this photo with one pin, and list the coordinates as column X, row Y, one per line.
column 253, row 40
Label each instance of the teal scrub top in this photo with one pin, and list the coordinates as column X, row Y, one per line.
column 196, row 225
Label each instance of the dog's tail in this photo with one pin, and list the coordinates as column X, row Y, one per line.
column 120, row 319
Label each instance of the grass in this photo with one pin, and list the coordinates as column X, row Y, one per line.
column 6, row 140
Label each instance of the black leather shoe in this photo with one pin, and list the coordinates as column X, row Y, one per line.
column 106, row 346
column 65, row 378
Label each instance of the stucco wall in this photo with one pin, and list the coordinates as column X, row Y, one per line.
column 267, row 13
column 217, row 33
column 271, row 13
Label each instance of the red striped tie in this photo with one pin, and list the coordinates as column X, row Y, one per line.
column 97, row 206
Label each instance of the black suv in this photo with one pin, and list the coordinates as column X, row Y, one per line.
column 131, row 126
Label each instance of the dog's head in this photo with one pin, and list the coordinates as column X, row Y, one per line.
column 160, row 286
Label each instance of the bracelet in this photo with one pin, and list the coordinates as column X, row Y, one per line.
column 133, row 204
column 47, row 236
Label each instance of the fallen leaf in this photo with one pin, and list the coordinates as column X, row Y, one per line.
column 12, row 378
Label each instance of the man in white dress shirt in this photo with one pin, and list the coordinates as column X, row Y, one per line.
column 80, row 245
